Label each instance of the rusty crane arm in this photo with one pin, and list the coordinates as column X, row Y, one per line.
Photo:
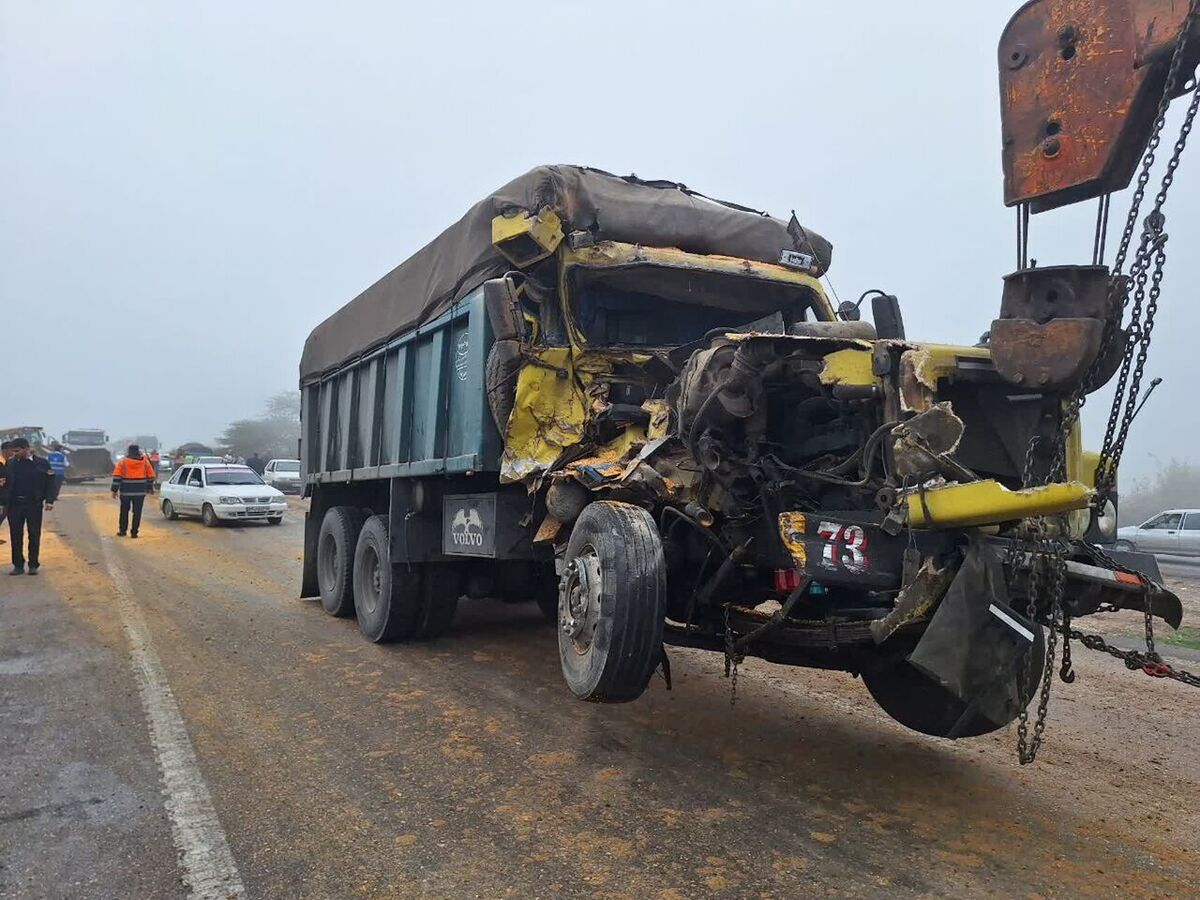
column 1081, row 86
column 1080, row 83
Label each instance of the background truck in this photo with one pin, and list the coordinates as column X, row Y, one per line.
column 88, row 456
column 637, row 406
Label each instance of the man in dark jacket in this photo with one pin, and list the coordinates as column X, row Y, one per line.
column 133, row 479
column 29, row 487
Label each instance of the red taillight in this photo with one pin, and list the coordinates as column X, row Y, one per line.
column 786, row 580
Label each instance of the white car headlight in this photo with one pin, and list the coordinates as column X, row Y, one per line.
column 279, row 500
column 230, row 500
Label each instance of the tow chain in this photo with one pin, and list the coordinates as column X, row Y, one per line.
column 732, row 659
column 1048, row 554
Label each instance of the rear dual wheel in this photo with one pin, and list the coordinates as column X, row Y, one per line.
column 400, row 602
column 335, row 559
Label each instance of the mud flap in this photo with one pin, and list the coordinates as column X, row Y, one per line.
column 976, row 645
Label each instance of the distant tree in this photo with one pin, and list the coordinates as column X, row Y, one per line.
column 1176, row 485
column 273, row 434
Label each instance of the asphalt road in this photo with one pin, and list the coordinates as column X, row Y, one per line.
column 1185, row 568
column 310, row 763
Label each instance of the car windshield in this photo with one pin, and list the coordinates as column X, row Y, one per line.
column 232, row 475
column 287, row 466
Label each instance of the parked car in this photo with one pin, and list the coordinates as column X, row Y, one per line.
column 221, row 493
column 210, row 461
column 1173, row 531
column 284, row 474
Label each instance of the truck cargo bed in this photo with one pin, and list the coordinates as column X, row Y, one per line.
column 416, row 406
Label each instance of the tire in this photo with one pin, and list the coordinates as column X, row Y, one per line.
column 920, row 703
column 335, row 559
column 500, row 378
column 275, row 520
column 209, row 516
column 616, row 590
column 387, row 598
column 1125, row 546
column 168, row 511
column 440, row 586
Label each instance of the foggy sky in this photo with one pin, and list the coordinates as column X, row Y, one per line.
column 187, row 189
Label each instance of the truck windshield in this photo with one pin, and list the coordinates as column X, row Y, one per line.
column 233, row 476
column 651, row 306
column 84, row 438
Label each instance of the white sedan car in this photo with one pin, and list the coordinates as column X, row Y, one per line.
column 283, row 474
column 221, row 493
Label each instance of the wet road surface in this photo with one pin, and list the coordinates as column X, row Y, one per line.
column 462, row 767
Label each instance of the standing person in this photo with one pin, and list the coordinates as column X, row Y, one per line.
column 29, row 488
column 257, row 463
column 58, row 463
column 6, row 453
column 133, row 479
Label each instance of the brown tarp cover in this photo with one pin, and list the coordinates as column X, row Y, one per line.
column 650, row 213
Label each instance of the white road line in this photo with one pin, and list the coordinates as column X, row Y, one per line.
column 205, row 861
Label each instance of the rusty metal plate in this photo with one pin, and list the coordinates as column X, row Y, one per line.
column 1053, row 356
column 1080, row 83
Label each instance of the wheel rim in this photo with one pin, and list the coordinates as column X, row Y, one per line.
column 326, row 562
column 373, row 587
column 167, row 509
column 579, row 602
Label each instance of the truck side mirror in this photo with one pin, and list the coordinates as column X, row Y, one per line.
column 503, row 308
column 889, row 323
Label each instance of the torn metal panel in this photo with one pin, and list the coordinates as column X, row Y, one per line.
column 933, row 362
column 916, row 602
column 660, row 419
column 922, row 446
column 549, row 414
column 792, row 529
column 851, row 366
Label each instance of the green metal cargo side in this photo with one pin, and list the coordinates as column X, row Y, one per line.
column 416, row 406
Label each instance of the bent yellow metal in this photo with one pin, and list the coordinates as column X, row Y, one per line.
column 989, row 503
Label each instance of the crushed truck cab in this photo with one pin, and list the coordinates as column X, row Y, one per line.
column 638, row 406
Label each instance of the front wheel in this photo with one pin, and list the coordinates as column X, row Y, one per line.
column 613, row 603
column 168, row 511
column 209, row 516
column 1124, row 546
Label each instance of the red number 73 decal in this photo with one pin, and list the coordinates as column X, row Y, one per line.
column 845, row 545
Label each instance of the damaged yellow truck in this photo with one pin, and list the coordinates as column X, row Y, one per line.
column 639, row 407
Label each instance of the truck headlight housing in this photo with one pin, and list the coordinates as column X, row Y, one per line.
column 1105, row 521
